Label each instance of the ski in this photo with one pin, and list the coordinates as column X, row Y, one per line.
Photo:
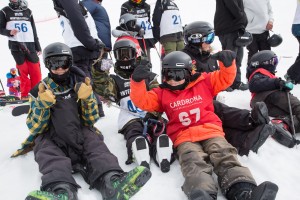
column 20, row 110
column 43, row 195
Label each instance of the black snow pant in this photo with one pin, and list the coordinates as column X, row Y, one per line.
column 239, row 131
column 294, row 70
column 56, row 164
column 259, row 43
column 227, row 42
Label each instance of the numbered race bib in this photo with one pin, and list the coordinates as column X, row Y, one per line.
column 146, row 25
column 25, row 33
column 171, row 22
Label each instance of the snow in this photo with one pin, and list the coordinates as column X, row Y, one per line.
column 273, row 162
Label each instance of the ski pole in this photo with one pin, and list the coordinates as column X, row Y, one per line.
column 291, row 115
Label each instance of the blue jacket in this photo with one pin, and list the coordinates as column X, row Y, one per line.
column 101, row 19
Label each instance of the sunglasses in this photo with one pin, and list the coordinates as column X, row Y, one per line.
column 199, row 38
column 174, row 74
column 54, row 63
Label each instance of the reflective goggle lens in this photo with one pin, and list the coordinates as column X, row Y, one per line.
column 125, row 53
column 54, row 63
column 199, row 38
column 176, row 75
column 273, row 61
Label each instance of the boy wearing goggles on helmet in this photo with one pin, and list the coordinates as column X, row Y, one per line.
column 63, row 111
column 144, row 132
column 194, row 128
column 267, row 87
column 243, row 129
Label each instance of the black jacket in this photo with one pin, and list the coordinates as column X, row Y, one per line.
column 203, row 62
column 74, row 12
column 229, row 16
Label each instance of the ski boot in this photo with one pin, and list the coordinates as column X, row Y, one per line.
column 248, row 191
column 115, row 185
column 140, row 149
column 260, row 114
column 282, row 134
column 164, row 150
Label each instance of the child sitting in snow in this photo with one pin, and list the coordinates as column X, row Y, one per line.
column 266, row 86
column 13, row 82
column 133, row 122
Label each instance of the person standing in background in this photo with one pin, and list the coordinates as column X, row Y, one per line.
column 230, row 21
column 260, row 22
column 80, row 34
column 141, row 10
column 17, row 23
column 293, row 73
column 167, row 26
column 102, row 22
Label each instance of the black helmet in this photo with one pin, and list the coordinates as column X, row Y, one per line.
column 198, row 32
column 57, row 55
column 275, row 40
column 266, row 59
column 127, row 21
column 15, row 4
column 125, row 54
column 176, row 65
column 244, row 40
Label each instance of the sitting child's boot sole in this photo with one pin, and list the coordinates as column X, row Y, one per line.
column 265, row 191
column 129, row 184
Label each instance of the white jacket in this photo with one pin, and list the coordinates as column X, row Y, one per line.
column 259, row 13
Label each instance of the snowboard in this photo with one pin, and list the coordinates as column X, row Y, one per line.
column 43, row 195
column 20, row 110
column 8, row 102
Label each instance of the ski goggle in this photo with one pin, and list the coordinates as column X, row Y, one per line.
column 13, row 71
column 197, row 38
column 131, row 23
column 273, row 61
column 137, row 1
column 53, row 63
column 125, row 53
column 174, row 74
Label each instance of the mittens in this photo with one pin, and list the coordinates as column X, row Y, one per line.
column 46, row 96
column 226, row 57
column 83, row 90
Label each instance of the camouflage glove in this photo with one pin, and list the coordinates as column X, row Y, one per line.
column 226, row 57
column 46, row 95
column 83, row 90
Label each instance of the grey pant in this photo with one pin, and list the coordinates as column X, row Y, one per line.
column 200, row 159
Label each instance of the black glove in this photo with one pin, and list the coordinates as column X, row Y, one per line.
column 225, row 56
column 284, row 85
column 150, row 115
column 142, row 71
column 241, row 31
column 99, row 45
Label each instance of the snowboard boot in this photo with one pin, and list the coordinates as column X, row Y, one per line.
column 260, row 114
column 247, row 191
column 164, row 150
column 122, row 186
column 282, row 133
column 140, row 149
column 63, row 189
column 261, row 136
column 200, row 195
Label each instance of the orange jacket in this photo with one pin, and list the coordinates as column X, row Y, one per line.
column 190, row 111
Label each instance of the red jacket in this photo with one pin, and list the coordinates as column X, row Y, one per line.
column 190, row 111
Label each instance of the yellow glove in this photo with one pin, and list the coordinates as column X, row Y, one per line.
column 83, row 90
column 46, row 94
